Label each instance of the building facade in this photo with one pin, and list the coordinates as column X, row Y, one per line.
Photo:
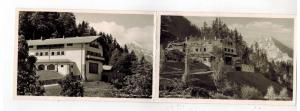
column 204, row 50
column 80, row 56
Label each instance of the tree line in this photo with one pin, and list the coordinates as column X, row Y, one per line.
column 34, row 25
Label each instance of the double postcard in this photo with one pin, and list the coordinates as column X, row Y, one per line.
column 182, row 57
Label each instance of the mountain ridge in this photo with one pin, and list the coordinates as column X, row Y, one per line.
column 140, row 52
column 283, row 47
column 274, row 50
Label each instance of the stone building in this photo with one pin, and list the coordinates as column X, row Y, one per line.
column 205, row 50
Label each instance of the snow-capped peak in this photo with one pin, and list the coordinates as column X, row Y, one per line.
column 273, row 52
column 140, row 51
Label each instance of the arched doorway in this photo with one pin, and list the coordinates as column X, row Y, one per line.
column 51, row 67
column 41, row 67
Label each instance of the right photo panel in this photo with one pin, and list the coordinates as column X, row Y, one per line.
column 239, row 58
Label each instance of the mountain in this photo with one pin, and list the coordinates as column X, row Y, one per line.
column 275, row 50
column 283, row 47
column 140, row 52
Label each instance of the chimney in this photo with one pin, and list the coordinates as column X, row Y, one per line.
column 42, row 38
column 63, row 37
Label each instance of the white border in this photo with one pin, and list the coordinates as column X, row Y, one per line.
column 156, row 59
column 229, row 101
column 62, row 98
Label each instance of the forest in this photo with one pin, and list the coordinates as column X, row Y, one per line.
column 280, row 73
column 134, row 75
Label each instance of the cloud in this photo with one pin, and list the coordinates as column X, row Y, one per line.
column 139, row 35
column 270, row 26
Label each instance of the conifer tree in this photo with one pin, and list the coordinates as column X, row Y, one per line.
column 27, row 80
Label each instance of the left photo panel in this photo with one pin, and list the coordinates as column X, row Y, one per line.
column 79, row 54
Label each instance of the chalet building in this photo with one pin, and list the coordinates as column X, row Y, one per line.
column 203, row 50
column 175, row 46
column 81, row 56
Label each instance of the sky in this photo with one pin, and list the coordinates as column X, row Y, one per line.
column 253, row 29
column 126, row 28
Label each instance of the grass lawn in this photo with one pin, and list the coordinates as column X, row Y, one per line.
column 97, row 89
column 48, row 75
column 91, row 89
column 52, row 90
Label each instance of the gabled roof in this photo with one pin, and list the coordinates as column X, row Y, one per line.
column 67, row 40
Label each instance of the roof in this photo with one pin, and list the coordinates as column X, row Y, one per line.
column 85, row 39
column 55, row 61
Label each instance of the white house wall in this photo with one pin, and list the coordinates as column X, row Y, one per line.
column 73, row 53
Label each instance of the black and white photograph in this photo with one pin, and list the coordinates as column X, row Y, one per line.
column 236, row 58
column 80, row 54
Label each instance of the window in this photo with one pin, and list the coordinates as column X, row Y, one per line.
column 41, row 53
column 93, row 54
column 51, row 67
column 41, row 67
column 36, row 54
column 70, row 44
column 231, row 50
column 54, row 46
column 57, row 46
column 58, row 53
column 196, row 50
column 42, row 47
column 94, row 45
column 46, row 53
column 52, row 53
column 93, row 68
column 61, row 65
column 204, row 59
column 204, row 49
column 30, row 46
column 62, row 53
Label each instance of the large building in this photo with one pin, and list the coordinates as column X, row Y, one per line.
column 204, row 50
column 80, row 56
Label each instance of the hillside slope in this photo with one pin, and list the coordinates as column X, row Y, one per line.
column 256, row 80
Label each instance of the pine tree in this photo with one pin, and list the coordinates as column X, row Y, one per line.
column 283, row 95
column 27, row 80
column 271, row 95
column 139, row 84
column 93, row 32
column 83, row 29
column 126, row 49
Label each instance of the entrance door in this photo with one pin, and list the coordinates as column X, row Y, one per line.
column 228, row 60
